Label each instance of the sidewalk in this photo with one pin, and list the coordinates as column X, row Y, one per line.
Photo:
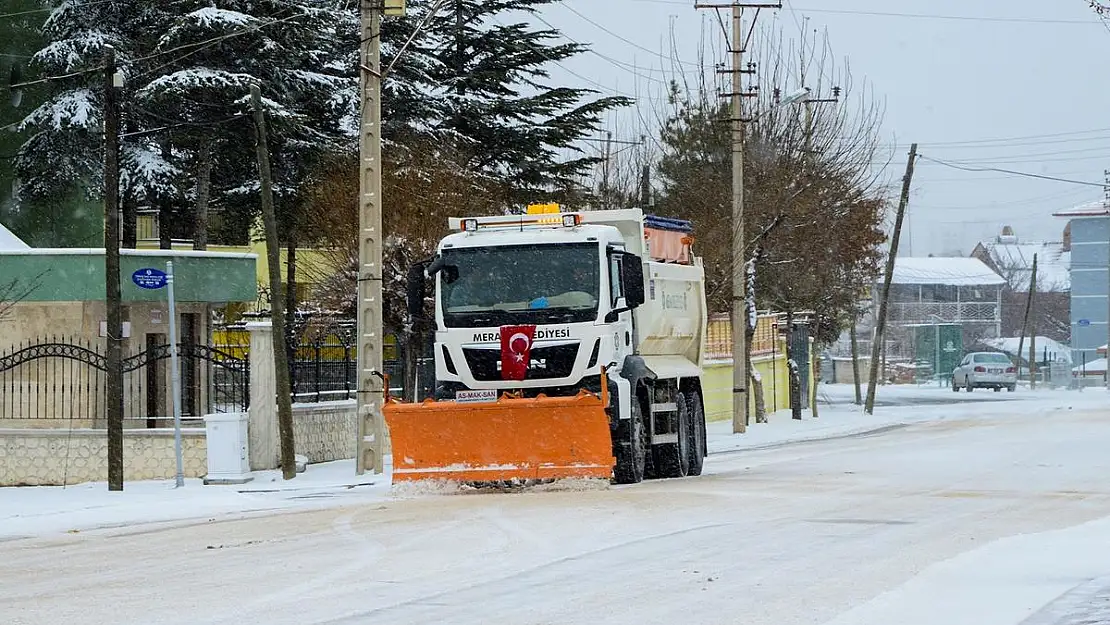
column 45, row 511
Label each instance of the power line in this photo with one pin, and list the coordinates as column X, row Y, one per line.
column 1013, row 173
column 49, row 10
column 629, row 42
column 929, row 16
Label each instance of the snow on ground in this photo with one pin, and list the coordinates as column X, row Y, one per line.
column 39, row 511
column 1006, row 582
column 958, row 519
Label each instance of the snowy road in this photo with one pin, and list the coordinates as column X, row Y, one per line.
column 894, row 527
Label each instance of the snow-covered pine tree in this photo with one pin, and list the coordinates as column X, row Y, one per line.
column 295, row 49
column 63, row 153
column 488, row 69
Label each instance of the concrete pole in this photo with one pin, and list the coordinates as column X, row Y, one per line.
column 739, row 264
column 371, row 423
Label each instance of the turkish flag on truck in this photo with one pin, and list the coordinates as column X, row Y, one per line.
column 516, row 350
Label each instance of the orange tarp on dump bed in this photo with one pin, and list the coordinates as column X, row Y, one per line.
column 668, row 246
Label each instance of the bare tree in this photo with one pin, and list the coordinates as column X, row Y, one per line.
column 14, row 291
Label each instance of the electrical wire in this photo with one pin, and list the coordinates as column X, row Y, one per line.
column 1012, row 172
column 930, row 16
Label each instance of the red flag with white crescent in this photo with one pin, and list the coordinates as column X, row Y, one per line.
column 516, row 351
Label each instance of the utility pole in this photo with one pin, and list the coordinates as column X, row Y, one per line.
column 1028, row 313
column 739, row 266
column 371, row 423
column 880, row 323
column 606, row 197
column 1032, row 328
column 645, row 187
column 738, row 317
column 277, row 304
column 113, row 81
column 855, row 358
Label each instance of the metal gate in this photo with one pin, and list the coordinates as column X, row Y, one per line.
column 67, row 381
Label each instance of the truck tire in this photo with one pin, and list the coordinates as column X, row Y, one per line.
column 696, row 451
column 631, row 453
column 673, row 459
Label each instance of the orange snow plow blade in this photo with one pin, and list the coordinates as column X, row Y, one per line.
column 511, row 439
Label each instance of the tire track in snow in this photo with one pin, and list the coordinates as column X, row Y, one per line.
column 361, row 615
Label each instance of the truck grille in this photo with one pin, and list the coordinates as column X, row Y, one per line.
column 547, row 362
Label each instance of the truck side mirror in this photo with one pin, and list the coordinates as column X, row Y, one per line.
column 633, row 281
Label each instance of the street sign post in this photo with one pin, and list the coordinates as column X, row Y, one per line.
column 155, row 279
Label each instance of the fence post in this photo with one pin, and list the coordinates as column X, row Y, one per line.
column 262, row 433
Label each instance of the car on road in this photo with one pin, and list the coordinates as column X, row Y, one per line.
column 985, row 370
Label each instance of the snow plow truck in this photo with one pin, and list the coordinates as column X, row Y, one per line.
column 567, row 345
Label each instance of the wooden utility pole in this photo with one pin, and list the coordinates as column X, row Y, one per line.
column 1032, row 321
column 113, row 81
column 645, row 187
column 880, row 322
column 277, row 304
column 1028, row 311
column 371, row 423
column 855, row 358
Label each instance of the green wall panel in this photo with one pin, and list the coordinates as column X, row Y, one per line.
column 80, row 277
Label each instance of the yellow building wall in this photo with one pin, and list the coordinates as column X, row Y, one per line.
column 717, row 386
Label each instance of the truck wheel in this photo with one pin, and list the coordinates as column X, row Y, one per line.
column 696, row 452
column 673, row 459
column 631, row 453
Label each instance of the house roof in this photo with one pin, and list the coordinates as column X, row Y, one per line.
column 1015, row 263
column 945, row 271
column 9, row 241
column 1098, row 208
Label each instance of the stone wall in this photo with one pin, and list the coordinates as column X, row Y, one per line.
column 55, row 457
column 326, row 431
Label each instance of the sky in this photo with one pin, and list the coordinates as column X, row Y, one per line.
column 976, row 83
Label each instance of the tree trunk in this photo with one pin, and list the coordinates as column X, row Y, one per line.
column 757, row 391
column 795, row 375
column 291, row 298
column 204, row 185
column 756, row 385
column 855, row 363
column 165, row 210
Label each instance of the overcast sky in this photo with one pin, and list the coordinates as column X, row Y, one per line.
column 1015, row 85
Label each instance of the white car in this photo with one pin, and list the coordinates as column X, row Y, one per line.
column 985, row 370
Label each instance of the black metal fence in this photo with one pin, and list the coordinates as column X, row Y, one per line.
column 323, row 363
column 60, row 379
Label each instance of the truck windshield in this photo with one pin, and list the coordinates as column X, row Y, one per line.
column 531, row 284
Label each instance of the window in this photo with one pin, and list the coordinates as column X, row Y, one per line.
column 616, row 272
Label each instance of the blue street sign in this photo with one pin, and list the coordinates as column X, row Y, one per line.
column 1083, row 323
column 149, row 278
